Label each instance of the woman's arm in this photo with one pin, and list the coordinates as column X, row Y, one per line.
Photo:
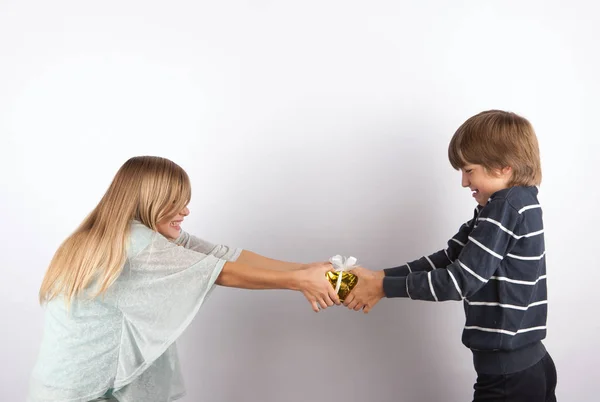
column 309, row 279
column 257, row 260
column 246, row 257
column 254, row 271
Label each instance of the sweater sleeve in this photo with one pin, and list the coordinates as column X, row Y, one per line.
column 485, row 247
column 439, row 259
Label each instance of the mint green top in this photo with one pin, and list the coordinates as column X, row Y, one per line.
column 124, row 342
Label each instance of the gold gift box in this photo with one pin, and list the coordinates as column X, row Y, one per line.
column 349, row 280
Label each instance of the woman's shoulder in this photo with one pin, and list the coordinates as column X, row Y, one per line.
column 140, row 237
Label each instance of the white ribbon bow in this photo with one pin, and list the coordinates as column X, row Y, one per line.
column 341, row 264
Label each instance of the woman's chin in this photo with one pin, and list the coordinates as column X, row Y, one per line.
column 171, row 233
column 174, row 233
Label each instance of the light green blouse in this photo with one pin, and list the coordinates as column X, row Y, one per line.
column 124, row 342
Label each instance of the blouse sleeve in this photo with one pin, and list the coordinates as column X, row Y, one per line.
column 192, row 242
column 160, row 290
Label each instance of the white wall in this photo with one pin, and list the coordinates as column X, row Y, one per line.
column 308, row 128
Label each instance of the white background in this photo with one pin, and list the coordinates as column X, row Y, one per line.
column 308, row 128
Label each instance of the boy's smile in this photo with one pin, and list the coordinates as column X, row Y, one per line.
column 483, row 183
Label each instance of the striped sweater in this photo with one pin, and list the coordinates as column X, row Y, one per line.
column 496, row 264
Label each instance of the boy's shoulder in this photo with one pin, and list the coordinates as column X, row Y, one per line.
column 519, row 197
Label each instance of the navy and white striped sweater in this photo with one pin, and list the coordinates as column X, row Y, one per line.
column 496, row 264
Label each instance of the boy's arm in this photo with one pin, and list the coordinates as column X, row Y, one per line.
column 486, row 246
column 439, row 259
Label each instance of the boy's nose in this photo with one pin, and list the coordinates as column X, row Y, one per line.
column 465, row 180
column 185, row 211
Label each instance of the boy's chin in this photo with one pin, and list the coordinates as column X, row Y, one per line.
column 481, row 202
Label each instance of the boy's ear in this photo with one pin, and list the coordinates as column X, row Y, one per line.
column 506, row 171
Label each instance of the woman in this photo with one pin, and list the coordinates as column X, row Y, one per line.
column 123, row 287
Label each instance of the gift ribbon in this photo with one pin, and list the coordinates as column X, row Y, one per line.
column 341, row 264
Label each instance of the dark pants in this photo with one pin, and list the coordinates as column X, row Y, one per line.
column 534, row 384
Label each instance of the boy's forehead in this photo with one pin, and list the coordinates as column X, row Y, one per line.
column 473, row 166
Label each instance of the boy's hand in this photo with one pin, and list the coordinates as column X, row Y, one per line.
column 367, row 292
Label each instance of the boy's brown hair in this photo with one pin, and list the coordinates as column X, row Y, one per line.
column 496, row 139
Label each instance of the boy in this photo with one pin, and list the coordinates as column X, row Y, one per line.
column 495, row 263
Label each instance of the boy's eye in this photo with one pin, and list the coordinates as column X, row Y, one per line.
column 469, row 170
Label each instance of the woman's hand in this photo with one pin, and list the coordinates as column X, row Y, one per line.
column 312, row 282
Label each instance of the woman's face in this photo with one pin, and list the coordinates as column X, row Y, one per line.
column 170, row 227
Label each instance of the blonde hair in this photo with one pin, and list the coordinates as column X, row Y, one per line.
column 147, row 189
column 497, row 139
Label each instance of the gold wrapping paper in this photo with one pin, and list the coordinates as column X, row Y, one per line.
column 349, row 280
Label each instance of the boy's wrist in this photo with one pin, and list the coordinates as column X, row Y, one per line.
column 395, row 286
column 402, row 270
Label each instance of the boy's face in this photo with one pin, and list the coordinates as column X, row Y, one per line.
column 483, row 183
